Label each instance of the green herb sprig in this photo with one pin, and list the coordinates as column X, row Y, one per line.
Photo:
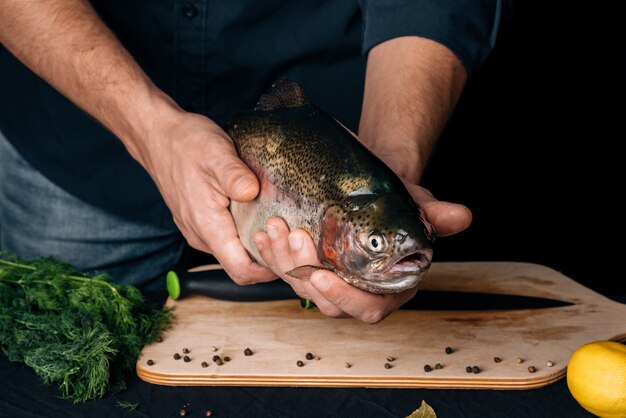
column 81, row 332
column 130, row 406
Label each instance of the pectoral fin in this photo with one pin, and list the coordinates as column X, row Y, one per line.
column 304, row 272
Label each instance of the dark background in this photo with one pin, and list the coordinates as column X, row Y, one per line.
column 534, row 147
column 533, row 150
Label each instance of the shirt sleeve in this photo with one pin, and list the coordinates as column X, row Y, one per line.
column 469, row 28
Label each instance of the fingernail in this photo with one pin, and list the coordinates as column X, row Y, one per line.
column 295, row 242
column 320, row 282
column 272, row 231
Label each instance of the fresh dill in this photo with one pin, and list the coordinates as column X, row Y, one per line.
column 130, row 406
column 81, row 332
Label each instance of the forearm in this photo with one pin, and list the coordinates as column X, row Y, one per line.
column 412, row 85
column 66, row 43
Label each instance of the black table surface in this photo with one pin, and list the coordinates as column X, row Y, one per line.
column 23, row 395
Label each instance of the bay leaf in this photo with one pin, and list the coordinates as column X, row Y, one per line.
column 424, row 411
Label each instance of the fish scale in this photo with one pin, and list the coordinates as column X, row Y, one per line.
column 315, row 175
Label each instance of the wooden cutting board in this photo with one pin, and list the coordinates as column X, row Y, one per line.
column 280, row 333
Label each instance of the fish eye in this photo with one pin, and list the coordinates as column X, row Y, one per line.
column 376, row 243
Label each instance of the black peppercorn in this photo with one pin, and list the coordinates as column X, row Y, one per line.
column 438, row 366
column 448, row 350
column 186, row 350
column 387, row 366
column 150, row 362
column 468, row 369
column 309, row 356
column 176, row 356
column 497, row 359
column 476, row 369
column 226, row 358
column 532, row 369
column 427, row 368
column 299, row 363
column 247, row 352
column 205, row 364
column 187, row 359
column 216, row 357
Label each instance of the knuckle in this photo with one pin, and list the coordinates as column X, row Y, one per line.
column 195, row 243
column 338, row 299
column 228, row 173
column 331, row 311
column 264, row 250
column 180, row 223
column 374, row 316
column 239, row 279
column 242, row 277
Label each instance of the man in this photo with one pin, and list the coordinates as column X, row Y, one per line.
column 163, row 76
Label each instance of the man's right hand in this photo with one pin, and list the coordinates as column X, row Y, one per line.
column 191, row 159
column 197, row 170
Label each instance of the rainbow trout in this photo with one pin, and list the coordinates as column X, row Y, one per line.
column 317, row 176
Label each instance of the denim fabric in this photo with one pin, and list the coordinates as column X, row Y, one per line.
column 37, row 218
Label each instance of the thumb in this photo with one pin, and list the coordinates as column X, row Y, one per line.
column 448, row 218
column 234, row 176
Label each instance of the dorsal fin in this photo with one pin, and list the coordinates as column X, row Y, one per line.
column 283, row 93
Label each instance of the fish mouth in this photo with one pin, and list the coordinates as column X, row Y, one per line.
column 402, row 275
column 417, row 262
column 390, row 284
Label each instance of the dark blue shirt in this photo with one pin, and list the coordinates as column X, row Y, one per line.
column 216, row 58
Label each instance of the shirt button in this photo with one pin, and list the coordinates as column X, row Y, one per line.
column 189, row 11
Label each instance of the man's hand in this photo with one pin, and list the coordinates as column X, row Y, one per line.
column 196, row 168
column 191, row 159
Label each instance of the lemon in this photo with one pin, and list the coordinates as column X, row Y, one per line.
column 596, row 377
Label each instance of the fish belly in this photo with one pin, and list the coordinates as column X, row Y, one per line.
column 251, row 217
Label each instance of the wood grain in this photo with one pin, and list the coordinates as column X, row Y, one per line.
column 280, row 333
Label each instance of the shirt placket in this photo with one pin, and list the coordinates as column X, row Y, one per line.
column 191, row 38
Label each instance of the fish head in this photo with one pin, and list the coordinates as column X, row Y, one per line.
column 381, row 244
